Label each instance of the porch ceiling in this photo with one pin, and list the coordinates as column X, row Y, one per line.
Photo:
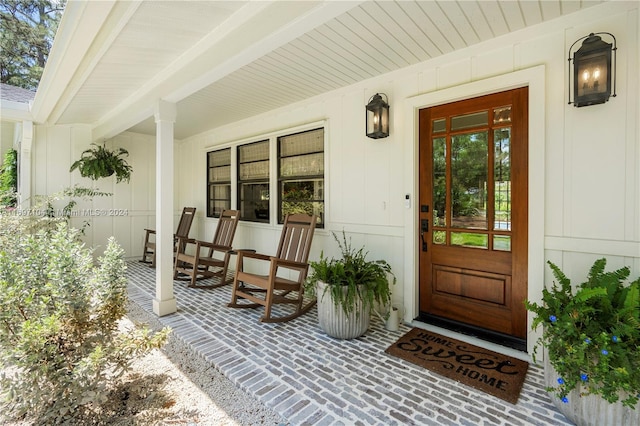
column 223, row 61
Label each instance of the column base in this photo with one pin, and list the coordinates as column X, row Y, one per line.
column 164, row 307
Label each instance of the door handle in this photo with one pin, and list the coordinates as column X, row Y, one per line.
column 424, row 227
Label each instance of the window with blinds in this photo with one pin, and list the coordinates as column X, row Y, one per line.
column 253, row 181
column 218, row 181
column 301, row 174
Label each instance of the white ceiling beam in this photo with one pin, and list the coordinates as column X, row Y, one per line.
column 80, row 24
column 253, row 31
column 118, row 17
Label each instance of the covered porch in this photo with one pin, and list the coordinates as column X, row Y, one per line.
column 308, row 377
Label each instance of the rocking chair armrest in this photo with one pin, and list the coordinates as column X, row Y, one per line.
column 253, row 255
column 290, row 263
column 217, row 247
column 187, row 240
column 150, row 231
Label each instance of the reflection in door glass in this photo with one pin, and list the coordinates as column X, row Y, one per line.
column 466, row 121
column 467, row 239
column 439, row 125
column 469, row 164
column 502, row 179
column 502, row 242
column 439, row 182
column 502, row 115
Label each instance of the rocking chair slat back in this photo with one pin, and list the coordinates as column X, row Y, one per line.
column 252, row 290
column 295, row 242
column 188, row 213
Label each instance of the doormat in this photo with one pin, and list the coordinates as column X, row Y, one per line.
column 496, row 374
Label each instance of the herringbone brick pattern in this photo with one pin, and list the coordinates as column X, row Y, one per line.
column 312, row 379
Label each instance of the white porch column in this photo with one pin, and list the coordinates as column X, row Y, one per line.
column 24, row 165
column 165, row 116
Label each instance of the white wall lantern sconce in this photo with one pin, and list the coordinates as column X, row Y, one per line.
column 593, row 70
column 378, row 117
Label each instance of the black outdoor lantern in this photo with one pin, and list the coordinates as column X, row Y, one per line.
column 377, row 117
column 593, row 71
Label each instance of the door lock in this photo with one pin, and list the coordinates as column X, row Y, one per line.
column 424, row 227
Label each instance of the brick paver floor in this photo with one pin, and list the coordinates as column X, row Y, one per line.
column 312, row 379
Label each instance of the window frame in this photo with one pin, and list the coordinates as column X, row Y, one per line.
column 281, row 179
column 254, row 181
column 274, row 169
column 211, row 183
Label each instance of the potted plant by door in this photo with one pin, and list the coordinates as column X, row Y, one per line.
column 100, row 162
column 348, row 289
column 591, row 339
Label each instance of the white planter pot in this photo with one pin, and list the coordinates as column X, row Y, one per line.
column 335, row 322
column 590, row 410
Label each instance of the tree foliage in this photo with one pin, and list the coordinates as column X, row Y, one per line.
column 27, row 29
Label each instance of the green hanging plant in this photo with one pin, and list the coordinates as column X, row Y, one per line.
column 100, row 162
column 9, row 179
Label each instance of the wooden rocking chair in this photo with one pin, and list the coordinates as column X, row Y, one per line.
column 269, row 290
column 201, row 265
column 183, row 231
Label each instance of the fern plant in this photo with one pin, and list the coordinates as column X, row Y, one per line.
column 100, row 162
column 592, row 336
column 352, row 278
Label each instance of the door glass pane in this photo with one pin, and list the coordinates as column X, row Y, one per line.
column 502, row 242
column 502, row 179
column 502, row 115
column 466, row 121
column 439, row 237
column 439, row 182
column 439, row 125
column 467, row 239
column 469, row 161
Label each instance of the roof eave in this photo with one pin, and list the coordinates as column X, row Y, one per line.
column 76, row 41
column 15, row 111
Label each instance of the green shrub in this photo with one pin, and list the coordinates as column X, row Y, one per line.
column 60, row 346
column 9, row 179
column 592, row 333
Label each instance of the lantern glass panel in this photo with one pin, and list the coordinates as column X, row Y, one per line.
column 384, row 125
column 373, row 121
column 592, row 77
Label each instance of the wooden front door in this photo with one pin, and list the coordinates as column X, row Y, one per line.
column 473, row 212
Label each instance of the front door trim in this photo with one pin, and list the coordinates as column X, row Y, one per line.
column 534, row 78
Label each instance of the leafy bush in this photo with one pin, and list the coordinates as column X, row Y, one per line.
column 593, row 336
column 59, row 340
column 9, row 179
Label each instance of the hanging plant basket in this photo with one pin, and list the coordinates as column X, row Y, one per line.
column 100, row 162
